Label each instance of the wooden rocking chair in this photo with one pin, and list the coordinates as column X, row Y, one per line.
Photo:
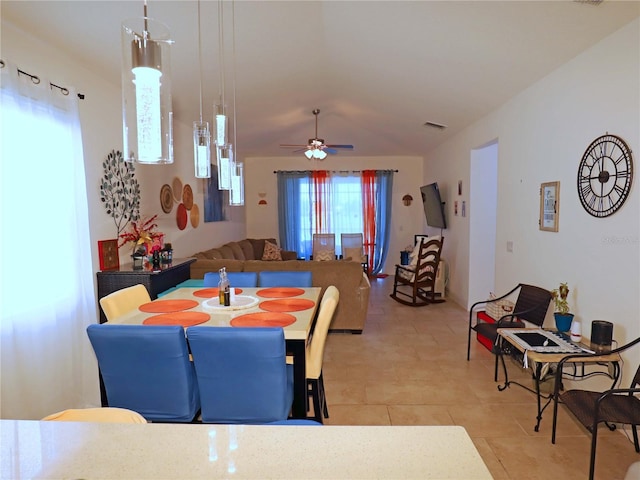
column 417, row 281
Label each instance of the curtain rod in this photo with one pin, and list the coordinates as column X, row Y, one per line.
column 332, row 171
column 36, row 80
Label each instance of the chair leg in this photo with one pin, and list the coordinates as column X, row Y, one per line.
column 323, row 397
column 592, row 461
column 634, row 429
column 315, row 394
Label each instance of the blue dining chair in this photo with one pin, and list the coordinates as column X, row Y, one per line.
column 242, row 374
column 236, row 279
column 285, row 278
column 147, row 369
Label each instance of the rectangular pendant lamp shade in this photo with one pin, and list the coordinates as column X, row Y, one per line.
column 202, row 149
column 146, row 92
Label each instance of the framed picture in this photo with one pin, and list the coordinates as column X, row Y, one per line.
column 108, row 253
column 549, row 206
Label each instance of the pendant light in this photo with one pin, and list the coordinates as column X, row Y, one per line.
column 224, row 150
column 201, row 134
column 146, row 91
column 236, row 194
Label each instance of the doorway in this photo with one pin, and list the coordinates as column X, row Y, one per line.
column 483, row 197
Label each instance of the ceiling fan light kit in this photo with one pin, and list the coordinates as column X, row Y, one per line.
column 316, row 148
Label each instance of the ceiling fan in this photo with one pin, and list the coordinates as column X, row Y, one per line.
column 316, row 148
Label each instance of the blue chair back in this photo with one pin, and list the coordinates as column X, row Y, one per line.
column 242, row 374
column 236, row 279
column 285, row 278
column 147, row 369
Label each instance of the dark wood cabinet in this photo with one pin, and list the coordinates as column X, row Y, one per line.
column 156, row 281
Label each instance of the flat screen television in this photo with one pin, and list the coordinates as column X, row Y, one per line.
column 433, row 206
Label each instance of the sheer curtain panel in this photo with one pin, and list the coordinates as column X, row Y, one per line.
column 47, row 294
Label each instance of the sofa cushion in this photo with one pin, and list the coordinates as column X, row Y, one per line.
column 226, row 252
column 247, row 249
column 271, row 252
column 258, row 246
column 238, row 254
column 260, row 265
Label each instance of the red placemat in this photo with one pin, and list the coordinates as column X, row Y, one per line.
column 279, row 292
column 263, row 319
column 167, row 306
column 287, row 305
column 212, row 292
column 184, row 319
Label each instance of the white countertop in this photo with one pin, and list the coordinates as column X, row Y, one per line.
column 73, row 450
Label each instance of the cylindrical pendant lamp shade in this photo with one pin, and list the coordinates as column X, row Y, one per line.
column 236, row 194
column 221, row 125
column 146, row 92
column 225, row 166
column 202, row 149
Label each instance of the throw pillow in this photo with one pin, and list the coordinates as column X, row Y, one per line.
column 324, row 255
column 355, row 254
column 271, row 252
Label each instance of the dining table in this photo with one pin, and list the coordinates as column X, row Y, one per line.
column 291, row 308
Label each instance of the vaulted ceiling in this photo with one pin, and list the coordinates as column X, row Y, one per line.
column 377, row 70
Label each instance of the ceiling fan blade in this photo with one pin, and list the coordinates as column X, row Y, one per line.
column 293, row 146
column 341, row 146
column 330, row 150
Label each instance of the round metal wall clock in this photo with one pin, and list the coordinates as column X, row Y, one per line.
column 605, row 175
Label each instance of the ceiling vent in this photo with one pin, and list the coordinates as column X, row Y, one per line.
column 435, row 125
column 589, row 2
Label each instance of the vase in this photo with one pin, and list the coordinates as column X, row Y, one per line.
column 563, row 321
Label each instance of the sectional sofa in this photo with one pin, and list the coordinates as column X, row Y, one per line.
column 348, row 277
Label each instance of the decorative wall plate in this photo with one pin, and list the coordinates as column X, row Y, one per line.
column 166, row 198
column 194, row 216
column 176, row 185
column 181, row 216
column 187, row 197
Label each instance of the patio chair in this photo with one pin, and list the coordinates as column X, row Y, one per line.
column 616, row 405
column 416, row 282
column 352, row 246
column 324, row 246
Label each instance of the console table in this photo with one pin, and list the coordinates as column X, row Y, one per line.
column 156, row 282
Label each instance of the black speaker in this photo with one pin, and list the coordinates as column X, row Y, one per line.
column 601, row 336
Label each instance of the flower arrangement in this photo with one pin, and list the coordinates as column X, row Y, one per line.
column 141, row 234
column 559, row 296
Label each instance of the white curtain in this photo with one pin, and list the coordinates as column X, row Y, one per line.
column 46, row 295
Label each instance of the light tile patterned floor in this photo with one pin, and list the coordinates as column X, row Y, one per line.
column 409, row 367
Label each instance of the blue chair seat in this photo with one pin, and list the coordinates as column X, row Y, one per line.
column 236, row 279
column 285, row 278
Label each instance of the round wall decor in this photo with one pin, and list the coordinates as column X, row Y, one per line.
column 166, row 198
column 605, row 175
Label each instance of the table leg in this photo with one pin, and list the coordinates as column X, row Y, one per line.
column 296, row 348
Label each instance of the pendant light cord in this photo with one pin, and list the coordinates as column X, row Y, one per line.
column 221, row 51
column 233, row 31
column 200, row 59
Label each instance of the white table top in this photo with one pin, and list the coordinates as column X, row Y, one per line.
column 299, row 330
column 56, row 450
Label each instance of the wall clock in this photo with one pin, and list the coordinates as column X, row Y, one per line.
column 605, row 175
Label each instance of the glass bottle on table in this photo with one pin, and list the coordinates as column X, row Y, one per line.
column 224, row 294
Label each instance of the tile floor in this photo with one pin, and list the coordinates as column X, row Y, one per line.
column 409, row 367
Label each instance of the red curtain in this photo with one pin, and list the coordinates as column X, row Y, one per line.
column 321, row 191
column 369, row 213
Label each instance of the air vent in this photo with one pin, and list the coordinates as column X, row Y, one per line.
column 589, row 2
column 435, row 125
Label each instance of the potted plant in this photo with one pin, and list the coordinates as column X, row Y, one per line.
column 562, row 315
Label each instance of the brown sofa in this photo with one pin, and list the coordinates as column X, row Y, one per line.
column 347, row 276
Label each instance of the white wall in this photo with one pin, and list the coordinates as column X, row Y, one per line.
column 542, row 134
column 262, row 220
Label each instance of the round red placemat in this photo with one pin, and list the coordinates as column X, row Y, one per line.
column 263, row 319
column 287, row 305
column 212, row 292
column 167, row 306
column 184, row 319
column 279, row 292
